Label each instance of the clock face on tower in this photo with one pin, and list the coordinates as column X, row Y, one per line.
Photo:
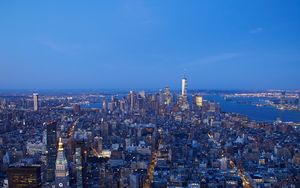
column 60, row 184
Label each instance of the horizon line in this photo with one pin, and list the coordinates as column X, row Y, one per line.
column 140, row 89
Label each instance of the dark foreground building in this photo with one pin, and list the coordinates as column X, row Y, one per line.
column 51, row 150
column 25, row 177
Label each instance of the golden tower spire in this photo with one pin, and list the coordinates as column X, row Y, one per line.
column 60, row 145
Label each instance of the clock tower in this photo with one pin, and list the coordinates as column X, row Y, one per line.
column 61, row 170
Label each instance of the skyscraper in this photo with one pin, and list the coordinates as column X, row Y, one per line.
column 35, row 101
column 24, row 176
column 105, row 131
column 51, row 150
column 184, row 87
column 132, row 100
column 167, row 96
column 183, row 97
column 142, row 94
column 104, row 105
column 198, row 100
column 98, row 142
column 80, row 165
column 61, row 168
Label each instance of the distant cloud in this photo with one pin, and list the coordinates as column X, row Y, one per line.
column 218, row 58
column 256, row 30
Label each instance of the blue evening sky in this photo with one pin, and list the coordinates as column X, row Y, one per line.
column 219, row 44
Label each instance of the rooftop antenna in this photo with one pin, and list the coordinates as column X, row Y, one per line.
column 184, row 73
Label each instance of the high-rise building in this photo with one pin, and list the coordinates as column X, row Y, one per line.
column 122, row 105
column 24, row 176
column 283, row 97
column 51, row 150
column 183, row 97
column 105, row 131
column 184, row 87
column 79, row 162
column 154, row 103
column 104, row 105
column 167, row 96
column 140, row 103
column 132, row 100
column 79, row 183
column 198, row 100
column 35, row 101
column 142, row 94
column 61, row 168
column 98, row 143
column 161, row 97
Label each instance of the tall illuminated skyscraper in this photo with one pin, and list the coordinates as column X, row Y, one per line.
column 61, row 168
column 35, row 101
column 184, row 87
column 184, row 99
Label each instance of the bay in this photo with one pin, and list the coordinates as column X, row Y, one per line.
column 261, row 113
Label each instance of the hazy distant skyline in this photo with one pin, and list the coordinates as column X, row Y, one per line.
column 218, row 44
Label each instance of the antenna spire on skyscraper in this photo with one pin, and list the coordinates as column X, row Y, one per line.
column 184, row 73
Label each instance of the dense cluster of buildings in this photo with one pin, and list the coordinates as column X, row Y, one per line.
column 141, row 139
column 281, row 100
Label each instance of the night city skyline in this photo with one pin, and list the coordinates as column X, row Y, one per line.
column 150, row 94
